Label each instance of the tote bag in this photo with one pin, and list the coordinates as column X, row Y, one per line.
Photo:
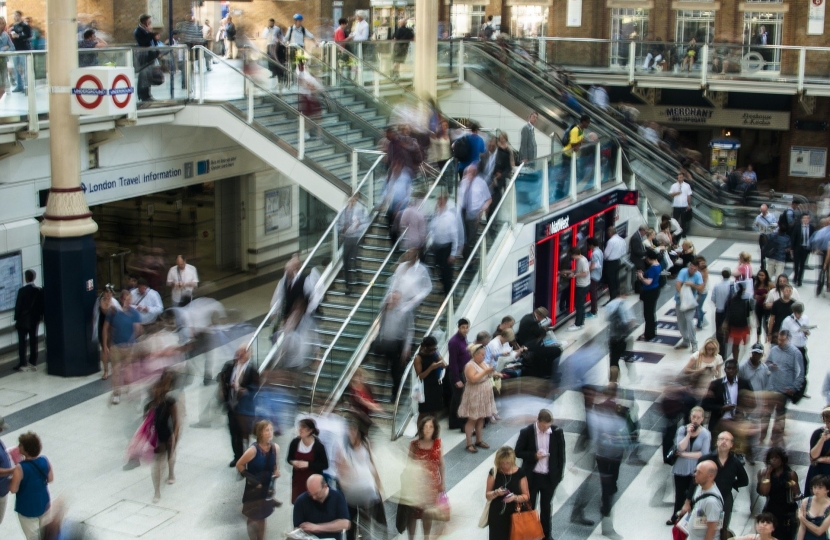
column 525, row 525
column 687, row 299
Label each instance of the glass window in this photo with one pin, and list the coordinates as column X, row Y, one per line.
column 763, row 28
column 529, row 21
column 626, row 24
column 467, row 20
column 698, row 24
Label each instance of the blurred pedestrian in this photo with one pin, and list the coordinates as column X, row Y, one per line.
column 412, row 226
column 360, row 483
column 429, row 366
column 597, row 259
column 7, row 467
column 182, row 279
column 787, row 368
column 686, row 304
column 30, row 484
column 351, row 224
column 121, row 328
column 475, row 200
column 146, row 301
column 397, row 327
column 259, row 465
column 362, row 399
column 738, row 311
column 307, row 456
column 238, row 383
column 403, row 35
column 691, row 442
column 798, row 325
column 293, row 287
column 779, row 484
column 29, row 309
column 610, row 438
column 506, row 489
column 168, row 430
column 411, row 280
column 428, row 481
column 621, row 323
column 447, row 232
column 477, row 402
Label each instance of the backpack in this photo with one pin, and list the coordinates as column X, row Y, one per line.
column 230, row 31
column 461, row 149
column 737, row 312
column 291, row 31
column 486, row 31
column 617, row 327
column 566, row 137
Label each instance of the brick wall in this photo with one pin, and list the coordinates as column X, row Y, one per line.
column 36, row 9
column 793, row 137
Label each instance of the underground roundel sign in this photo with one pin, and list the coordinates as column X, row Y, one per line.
column 103, row 91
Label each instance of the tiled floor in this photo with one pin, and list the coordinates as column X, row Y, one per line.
column 85, row 438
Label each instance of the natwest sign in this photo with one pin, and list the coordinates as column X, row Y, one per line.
column 103, row 91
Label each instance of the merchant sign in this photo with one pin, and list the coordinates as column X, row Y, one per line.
column 707, row 117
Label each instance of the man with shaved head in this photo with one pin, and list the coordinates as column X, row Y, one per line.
column 705, row 519
column 321, row 511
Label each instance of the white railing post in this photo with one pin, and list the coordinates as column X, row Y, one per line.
column 188, row 73
column 335, row 67
column 597, row 166
column 482, row 255
column 619, row 167
column 574, row 157
column 545, row 188
column 301, row 137
column 543, row 50
column 704, row 65
column 632, row 61
column 644, row 209
column 370, row 197
column 632, row 185
column 450, row 316
column 31, row 92
column 376, row 85
column 461, row 62
column 802, row 66
column 360, row 64
column 128, row 61
column 335, row 252
column 202, row 66
column 354, row 170
column 249, row 90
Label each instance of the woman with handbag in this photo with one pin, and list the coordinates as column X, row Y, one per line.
column 426, row 455
column 167, row 425
column 814, row 512
column 477, row 402
column 691, row 442
column 29, row 483
column 358, row 479
column 428, row 365
column 819, row 450
column 779, row 484
column 506, row 489
column 259, row 467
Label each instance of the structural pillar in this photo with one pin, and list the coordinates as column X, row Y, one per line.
column 426, row 48
column 68, row 247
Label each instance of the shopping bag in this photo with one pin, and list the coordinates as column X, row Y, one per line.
column 688, row 301
column 526, row 525
column 441, row 510
column 142, row 446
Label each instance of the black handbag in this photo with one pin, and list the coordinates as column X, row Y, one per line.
column 671, row 456
column 155, row 76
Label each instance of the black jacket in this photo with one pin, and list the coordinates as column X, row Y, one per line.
column 526, row 450
column 637, row 251
column 529, row 330
column 317, row 465
column 731, row 475
column 28, row 309
column 797, row 234
column 716, row 398
column 248, row 385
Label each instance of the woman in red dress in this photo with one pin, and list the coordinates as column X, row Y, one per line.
column 426, row 452
column 307, row 455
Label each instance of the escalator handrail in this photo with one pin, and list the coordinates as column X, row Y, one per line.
column 450, row 163
column 310, row 256
column 461, row 274
column 340, row 144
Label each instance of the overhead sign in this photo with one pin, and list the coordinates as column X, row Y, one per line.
column 707, row 117
column 563, row 220
column 107, row 185
column 103, row 91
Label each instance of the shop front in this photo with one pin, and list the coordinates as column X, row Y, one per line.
column 559, row 233
column 529, row 18
column 386, row 14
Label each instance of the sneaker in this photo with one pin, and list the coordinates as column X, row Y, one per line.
column 591, row 316
column 575, row 328
column 116, row 400
column 694, row 349
column 682, row 345
column 29, row 367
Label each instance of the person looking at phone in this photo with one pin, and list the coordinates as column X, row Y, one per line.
column 506, row 487
column 691, row 442
column 786, row 379
column 799, row 327
column 819, row 450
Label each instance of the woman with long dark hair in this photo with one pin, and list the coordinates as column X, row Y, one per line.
column 779, row 484
column 762, row 285
column 307, row 455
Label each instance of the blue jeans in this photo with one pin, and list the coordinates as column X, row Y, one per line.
column 19, row 71
column 701, row 298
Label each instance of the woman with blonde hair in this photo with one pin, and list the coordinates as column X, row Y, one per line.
column 691, row 442
column 704, row 366
column 506, row 488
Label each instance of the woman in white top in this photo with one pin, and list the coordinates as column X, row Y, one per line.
column 359, row 481
column 776, row 293
column 704, row 367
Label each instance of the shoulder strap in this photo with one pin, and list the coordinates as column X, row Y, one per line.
column 44, row 476
column 705, row 495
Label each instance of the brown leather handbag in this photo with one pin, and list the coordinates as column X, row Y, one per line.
column 525, row 525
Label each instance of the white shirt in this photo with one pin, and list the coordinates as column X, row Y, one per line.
column 681, row 194
column 477, row 197
column 599, row 97
column 413, row 282
column 151, row 300
column 795, row 326
column 361, row 31
column 207, row 33
column 310, row 291
column 732, row 394
column 615, row 248
column 353, row 220
column 295, row 35
column 542, row 445
column 446, row 227
column 763, row 223
column 272, row 34
column 182, row 281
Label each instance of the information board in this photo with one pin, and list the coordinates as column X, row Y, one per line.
column 11, row 279
column 521, row 288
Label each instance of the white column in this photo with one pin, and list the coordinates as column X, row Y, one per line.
column 426, row 48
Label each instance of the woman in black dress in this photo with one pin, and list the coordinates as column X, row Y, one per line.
column 819, row 451
column 428, row 364
column 167, row 426
column 779, row 484
column 259, row 467
column 506, row 487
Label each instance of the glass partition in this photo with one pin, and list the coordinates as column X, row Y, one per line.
column 25, row 78
column 162, row 74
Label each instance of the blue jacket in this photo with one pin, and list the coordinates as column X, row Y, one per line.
column 777, row 246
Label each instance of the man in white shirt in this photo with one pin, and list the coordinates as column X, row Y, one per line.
column 272, row 34
column 351, row 224
column 582, row 275
column 764, row 223
column 411, row 279
column 295, row 37
column 681, row 204
column 615, row 248
column 182, row 279
column 447, row 232
column 207, row 35
column 147, row 302
column 799, row 326
column 361, row 29
column 599, row 97
column 475, row 199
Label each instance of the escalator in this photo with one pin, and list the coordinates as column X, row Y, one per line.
column 493, row 70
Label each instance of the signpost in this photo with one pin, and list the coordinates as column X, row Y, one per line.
column 103, row 91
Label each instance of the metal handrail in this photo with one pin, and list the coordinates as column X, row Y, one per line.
column 375, row 277
column 510, row 187
column 325, row 235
